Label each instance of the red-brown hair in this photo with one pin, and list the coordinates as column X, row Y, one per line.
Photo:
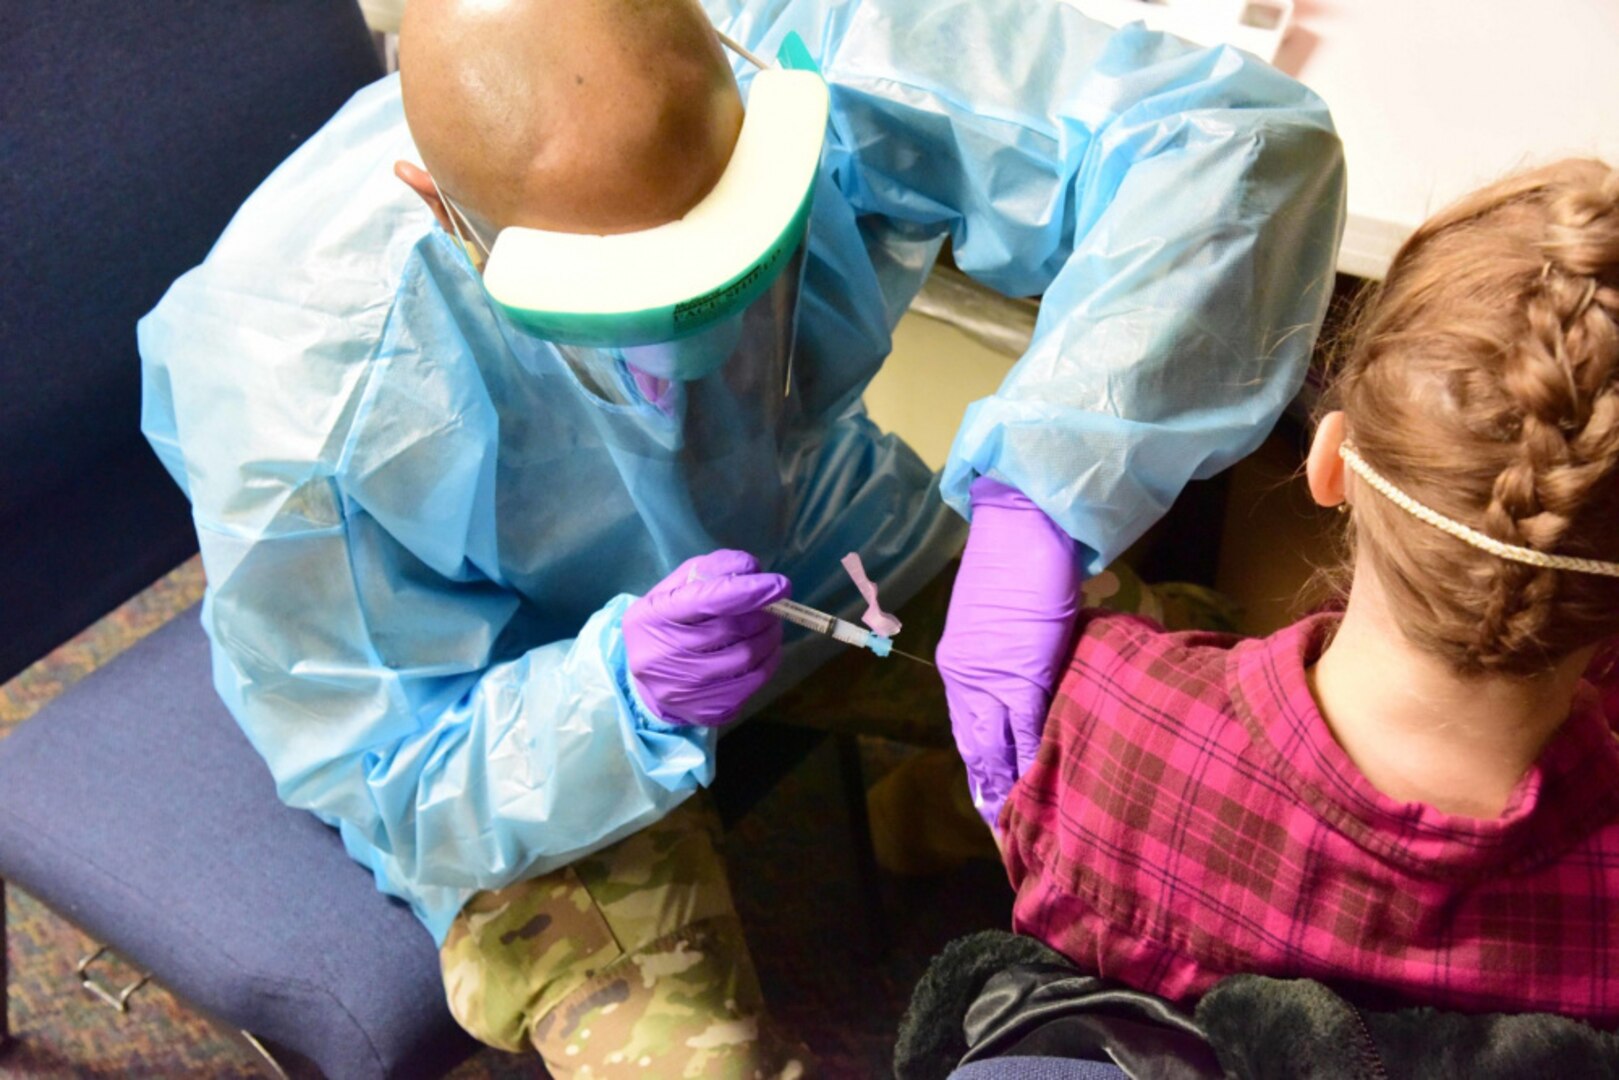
column 1483, row 379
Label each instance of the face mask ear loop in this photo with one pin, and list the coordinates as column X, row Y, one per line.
column 457, row 219
column 740, row 51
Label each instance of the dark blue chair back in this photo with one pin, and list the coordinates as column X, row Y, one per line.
column 129, row 134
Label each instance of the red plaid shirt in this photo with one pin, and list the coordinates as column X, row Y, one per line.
column 1190, row 816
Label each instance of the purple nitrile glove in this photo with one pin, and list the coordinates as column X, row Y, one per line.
column 1007, row 637
column 697, row 645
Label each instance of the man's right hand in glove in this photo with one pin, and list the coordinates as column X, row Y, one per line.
column 698, row 644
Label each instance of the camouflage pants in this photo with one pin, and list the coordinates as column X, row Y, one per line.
column 630, row 962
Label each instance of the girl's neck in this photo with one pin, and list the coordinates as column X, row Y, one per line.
column 1419, row 731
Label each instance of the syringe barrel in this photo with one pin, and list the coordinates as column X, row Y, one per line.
column 820, row 622
column 807, row 617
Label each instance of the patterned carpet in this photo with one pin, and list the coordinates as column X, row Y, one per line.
column 789, row 865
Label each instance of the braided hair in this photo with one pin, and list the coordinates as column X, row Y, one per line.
column 1483, row 379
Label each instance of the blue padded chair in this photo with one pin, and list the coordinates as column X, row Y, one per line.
column 132, row 806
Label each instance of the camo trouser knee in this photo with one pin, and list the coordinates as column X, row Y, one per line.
column 630, row 962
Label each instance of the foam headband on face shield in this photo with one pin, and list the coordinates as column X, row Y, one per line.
column 675, row 280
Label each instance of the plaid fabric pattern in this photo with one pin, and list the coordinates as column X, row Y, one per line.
column 1190, row 816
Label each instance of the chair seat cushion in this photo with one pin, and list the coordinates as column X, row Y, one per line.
column 133, row 806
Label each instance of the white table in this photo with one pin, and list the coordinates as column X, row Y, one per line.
column 1436, row 97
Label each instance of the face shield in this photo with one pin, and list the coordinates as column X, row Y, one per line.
column 674, row 302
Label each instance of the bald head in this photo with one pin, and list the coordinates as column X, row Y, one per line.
column 598, row 116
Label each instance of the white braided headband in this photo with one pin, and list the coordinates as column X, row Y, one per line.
column 1469, row 535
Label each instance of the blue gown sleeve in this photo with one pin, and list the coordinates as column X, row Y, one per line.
column 1179, row 208
column 344, row 508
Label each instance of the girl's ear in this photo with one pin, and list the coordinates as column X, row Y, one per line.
column 1324, row 469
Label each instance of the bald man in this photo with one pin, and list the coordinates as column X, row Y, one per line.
column 481, row 598
column 590, row 116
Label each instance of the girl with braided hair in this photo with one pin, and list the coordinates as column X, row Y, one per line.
column 1415, row 799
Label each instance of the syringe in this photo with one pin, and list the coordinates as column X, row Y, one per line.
column 838, row 629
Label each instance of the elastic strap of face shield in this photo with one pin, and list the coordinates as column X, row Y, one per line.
column 740, row 51
column 457, row 219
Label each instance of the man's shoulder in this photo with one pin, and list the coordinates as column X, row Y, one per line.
column 333, row 208
column 262, row 352
column 320, row 246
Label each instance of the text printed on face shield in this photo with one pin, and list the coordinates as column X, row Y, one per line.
column 701, row 306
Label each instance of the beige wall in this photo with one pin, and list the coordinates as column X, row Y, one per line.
column 935, row 372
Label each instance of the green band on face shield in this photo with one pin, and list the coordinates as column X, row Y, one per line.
column 764, row 332
column 668, row 320
column 687, row 278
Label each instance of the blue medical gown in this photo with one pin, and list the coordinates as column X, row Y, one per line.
column 421, row 528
